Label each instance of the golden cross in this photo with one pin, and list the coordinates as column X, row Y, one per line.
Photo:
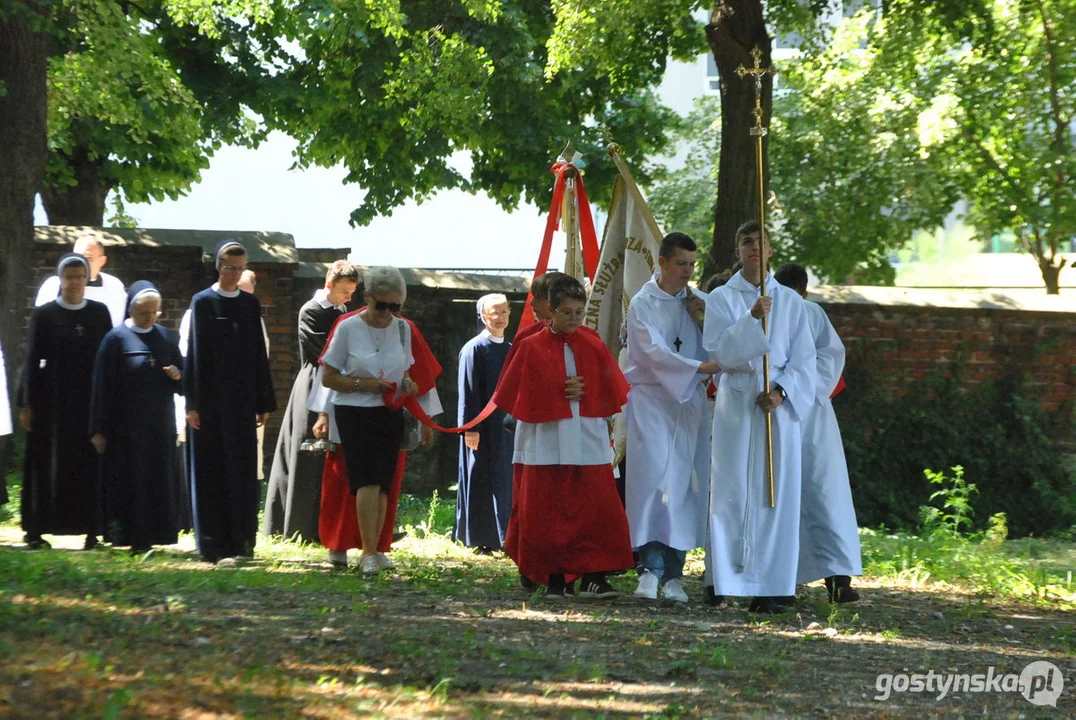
column 757, row 71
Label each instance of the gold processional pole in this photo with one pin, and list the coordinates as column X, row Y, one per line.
column 569, row 223
column 759, row 131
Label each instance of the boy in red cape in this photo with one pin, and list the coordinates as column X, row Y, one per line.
column 338, row 524
column 561, row 385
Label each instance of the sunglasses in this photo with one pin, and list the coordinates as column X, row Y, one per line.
column 391, row 307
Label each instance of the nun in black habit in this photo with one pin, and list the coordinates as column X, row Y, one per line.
column 293, row 500
column 132, row 424
column 229, row 392
column 61, row 478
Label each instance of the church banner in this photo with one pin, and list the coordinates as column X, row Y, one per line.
column 629, row 257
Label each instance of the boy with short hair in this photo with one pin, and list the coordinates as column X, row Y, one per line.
column 568, row 520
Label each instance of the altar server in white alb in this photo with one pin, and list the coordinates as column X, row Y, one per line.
column 754, row 549
column 668, row 468
column 102, row 287
column 829, row 535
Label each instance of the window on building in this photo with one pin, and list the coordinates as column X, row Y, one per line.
column 713, row 80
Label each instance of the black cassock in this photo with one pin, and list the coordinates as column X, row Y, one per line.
column 484, row 496
column 293, row 500
column 61, row 478
column 227, row 381
column 134, row 408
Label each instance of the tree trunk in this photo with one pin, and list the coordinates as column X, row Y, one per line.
column 23, row 152
column 82, row 203
column 731, row 37
column 1051, row 275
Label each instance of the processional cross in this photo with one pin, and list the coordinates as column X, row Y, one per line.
column 758, row 132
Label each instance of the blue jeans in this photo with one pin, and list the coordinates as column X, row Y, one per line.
column 664, row 562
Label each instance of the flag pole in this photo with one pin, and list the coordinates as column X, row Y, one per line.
column 613, row 150
column 758, row 132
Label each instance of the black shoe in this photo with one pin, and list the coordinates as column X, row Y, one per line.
column 765, row 604
column 36, row 542
column 483, row 550
column 91, row 542
column 785, row 600
column 596, row 587
column 840, row 589
column 526, row 583
column 558, row 589
column 710, row 598
column 398, row 536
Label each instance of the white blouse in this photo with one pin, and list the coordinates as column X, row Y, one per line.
column 574, row 441
column 360, row 351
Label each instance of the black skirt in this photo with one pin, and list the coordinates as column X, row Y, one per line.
column 370, row 437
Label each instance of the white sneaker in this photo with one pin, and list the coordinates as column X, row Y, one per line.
column 338, row 558
column 369, row 565
column 648, row 586
column 673, row 590
column 384, row 561
column 226, row 562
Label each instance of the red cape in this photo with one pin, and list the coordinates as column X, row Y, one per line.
column 531, row 386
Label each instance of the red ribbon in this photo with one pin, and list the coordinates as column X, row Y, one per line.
column 587, row 235
column 410, row 402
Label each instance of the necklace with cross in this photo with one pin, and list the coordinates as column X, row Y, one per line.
column 678, row 343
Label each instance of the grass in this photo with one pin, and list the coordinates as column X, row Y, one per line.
column 450, row 634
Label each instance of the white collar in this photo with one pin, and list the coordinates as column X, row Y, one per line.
column 140, row 330
column 321, row 298
column 493, row 338
column 742, row 284
column 69, row 306
column 225, row 293
column 655, row 291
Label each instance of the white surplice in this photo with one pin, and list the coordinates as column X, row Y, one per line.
column 829, row 535
column 754, row 549
column 667, row 485
column 5, row 403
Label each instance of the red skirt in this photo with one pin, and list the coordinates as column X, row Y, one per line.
column 567, row 519
column 338, row 523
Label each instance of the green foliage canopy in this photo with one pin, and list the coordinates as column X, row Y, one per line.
column 412, row 97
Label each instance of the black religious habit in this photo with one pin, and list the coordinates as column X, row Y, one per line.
column 227, row 381
column 484, row 495
column 293, row 500
column 61, row 478
column 134, row 409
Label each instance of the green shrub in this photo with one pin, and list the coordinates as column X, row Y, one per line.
column 994, row 430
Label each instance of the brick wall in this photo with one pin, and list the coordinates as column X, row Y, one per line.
column 906, row 342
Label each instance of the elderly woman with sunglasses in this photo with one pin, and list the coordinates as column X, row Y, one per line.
column 369, row 356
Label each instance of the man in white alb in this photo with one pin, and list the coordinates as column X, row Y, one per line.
column 829, row 534
column 755, row 547
column 668, row 450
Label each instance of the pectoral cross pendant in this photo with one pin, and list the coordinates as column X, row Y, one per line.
column 78, row 330
column 678, row 343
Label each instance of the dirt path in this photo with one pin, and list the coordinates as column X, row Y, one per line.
column 99, row 634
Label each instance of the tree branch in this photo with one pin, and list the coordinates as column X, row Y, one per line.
column 1016, row 194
